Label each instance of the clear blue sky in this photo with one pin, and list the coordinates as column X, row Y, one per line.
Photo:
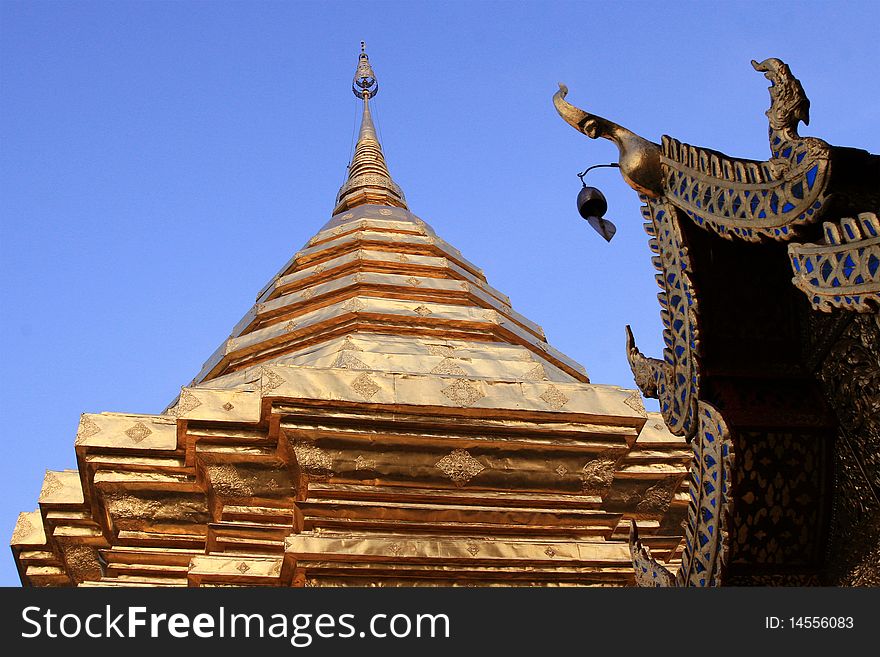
column 160, row 160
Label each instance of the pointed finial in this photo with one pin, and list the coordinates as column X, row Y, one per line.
column 369, row 182
column 364, row 85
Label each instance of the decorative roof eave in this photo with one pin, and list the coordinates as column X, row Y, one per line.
column 738, row 198
column 845, row 271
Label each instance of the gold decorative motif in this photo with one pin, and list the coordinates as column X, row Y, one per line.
column 658, row 497
column 422, row 310
column 227, row 481
column 138, row 432
column 290, row 325
column 441, row 350
column 473, row 549
column 460, row 466
column 128, row 506
column 349, row 345
column 269, row 380
column 554, row 397
column 401, row 257
column 360, row 463
column 463, row 392
column 188, row 401
column 448, row 367
column 348, row 215
column 365, row 386
column 385, row 212
column 597, row 475
column 561, row 470
column 412, row 280
column 320, row 268
column 242, row 568
column 307, row 293
column 87, row 429
column 312, row 459
column 353, row 305
column 537, row 373
column 228, row 406
column 346, row 360
column 82, row 562
column 550, row 552
column 51, row 485
column 23, row 529
column 634, row 401
column 395, row 549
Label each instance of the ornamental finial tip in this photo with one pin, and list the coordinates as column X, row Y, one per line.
column 365, row 85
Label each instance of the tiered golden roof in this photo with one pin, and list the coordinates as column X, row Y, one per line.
column 381, row 416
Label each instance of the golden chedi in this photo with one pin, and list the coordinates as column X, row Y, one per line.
column 381, row 416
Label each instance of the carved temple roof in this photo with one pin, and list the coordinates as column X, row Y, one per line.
column 748, row 359
column 381, row 415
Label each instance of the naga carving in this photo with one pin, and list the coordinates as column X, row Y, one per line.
column 738, row 198
column 639, row 158
column 648, row 373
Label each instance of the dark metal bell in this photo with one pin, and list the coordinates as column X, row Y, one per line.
column 591, row 203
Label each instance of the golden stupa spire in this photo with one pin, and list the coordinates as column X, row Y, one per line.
column 369, row 182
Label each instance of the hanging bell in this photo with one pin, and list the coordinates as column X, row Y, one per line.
column 592, row 206
column 591, row 202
